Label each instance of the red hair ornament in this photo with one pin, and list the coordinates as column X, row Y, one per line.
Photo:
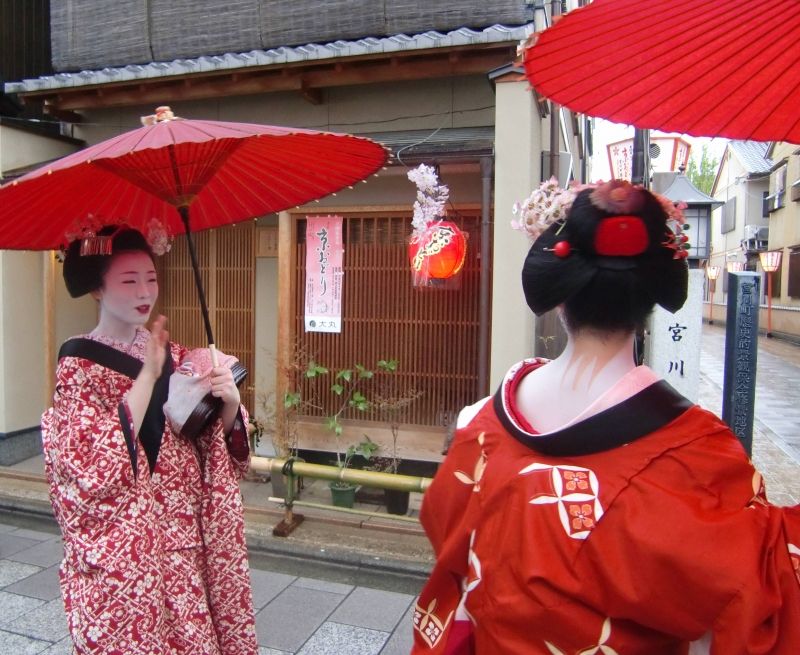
column 621, row 236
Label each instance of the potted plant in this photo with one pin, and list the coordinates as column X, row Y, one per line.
column 349, row 387
column 343, row 493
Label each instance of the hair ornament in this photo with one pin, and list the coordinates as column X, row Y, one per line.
column 621, row 236
column 87, row 232
column 561, row 249
column 618, row 197
column 158, row 238
column 676, row 240
column 548, row 204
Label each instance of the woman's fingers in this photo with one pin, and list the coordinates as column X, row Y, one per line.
column 159, row 324
column 222, row 384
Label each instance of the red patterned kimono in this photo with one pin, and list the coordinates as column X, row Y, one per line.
column 639, row 530
column 155, row 563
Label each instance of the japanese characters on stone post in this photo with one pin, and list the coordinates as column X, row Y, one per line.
column 741, row 355
column 673, row 343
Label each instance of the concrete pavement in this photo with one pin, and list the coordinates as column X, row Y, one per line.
column 295, row 613
column 776, row 429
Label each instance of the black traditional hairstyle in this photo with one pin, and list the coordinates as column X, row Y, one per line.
column 84, row 273
column 598, row 291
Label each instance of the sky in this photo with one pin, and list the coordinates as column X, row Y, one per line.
column 606, row 132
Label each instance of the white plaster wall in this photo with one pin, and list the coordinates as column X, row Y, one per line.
column 73, row 316
column 19, row 148
column 21, row 340
column 266, row 326
column 426, row 104
column 518, row 142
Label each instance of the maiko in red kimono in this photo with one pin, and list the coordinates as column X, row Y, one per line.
column 154, row 553
column 639, row 530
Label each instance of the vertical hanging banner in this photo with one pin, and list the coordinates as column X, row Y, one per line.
column 324, row 274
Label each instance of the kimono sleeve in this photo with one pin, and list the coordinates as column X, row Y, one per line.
column 445, row 502
column 87, row 441
column 238, row 444
column 236, row 441
column 692, row 548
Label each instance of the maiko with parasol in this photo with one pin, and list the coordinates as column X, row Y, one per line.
column 150, row 512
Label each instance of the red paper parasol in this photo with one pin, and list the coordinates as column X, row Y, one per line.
column 706, row 68
column 220, row 172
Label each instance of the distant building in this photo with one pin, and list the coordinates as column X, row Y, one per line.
column 754, row 182
column 783, row 208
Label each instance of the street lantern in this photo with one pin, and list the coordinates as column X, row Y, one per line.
column 734, row 267
column 770, row 262
column 697, row 211
column 712, row 272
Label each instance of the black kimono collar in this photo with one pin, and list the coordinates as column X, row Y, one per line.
column 644, row 412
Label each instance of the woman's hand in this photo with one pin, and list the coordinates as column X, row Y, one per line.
column 155, row 353
column 223, row 386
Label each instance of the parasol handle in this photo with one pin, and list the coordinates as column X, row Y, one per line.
column 184, row 212
column 214, row 358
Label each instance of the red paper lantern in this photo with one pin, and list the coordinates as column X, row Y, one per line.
column 440, row 252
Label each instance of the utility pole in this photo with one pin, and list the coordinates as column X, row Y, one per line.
column 640, row 170
column 555, row 112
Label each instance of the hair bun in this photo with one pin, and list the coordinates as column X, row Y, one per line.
column 618, row 237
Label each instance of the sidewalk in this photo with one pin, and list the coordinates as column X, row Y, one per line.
column 341, row 584
column 776, row 429
column 295, row 613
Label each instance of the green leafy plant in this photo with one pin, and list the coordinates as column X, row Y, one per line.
column 366, row 449
column 349, row 387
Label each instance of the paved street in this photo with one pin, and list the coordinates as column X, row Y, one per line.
column 776, row 438
column 309, row 607
column 295, row 614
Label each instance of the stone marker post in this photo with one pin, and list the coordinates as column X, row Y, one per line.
column 673, row 344
column 741, row 350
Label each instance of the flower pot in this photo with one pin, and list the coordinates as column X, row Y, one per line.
column 343, row 494
column 396, row 501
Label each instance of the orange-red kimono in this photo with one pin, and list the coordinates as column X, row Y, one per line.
column 640, row 530
column 154, row 554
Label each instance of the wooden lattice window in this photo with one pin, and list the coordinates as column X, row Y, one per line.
column 227, row 264
column 433, row 333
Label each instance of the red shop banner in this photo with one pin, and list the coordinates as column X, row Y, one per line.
column 324, row 274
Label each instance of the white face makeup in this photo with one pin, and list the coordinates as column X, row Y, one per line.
column 129, row 290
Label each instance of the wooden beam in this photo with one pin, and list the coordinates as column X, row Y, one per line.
column 313, row 76
column 287, row 255
column 312, row 95
column 64, row 115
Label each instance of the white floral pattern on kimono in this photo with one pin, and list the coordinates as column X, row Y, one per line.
column 153, row 564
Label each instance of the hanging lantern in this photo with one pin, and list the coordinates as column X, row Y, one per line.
column 439, row 252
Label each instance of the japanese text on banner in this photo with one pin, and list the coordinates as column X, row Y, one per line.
column 324, row 274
